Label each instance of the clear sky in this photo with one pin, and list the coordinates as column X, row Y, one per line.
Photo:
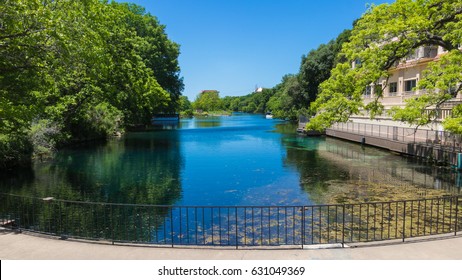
column 235, row 45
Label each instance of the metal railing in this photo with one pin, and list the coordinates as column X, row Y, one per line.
column 407, row 135
column 233, row 225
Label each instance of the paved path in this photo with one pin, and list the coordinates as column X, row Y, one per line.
column 26, row 246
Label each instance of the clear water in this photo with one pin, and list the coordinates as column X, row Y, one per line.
column 230, row 160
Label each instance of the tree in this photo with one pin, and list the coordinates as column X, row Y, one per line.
column 282, row 103
column 25, row 46
column 74, row 70
column 158, row 52
column 208, row 100
column 315, row 68
column 185, row 104
column 385, row 35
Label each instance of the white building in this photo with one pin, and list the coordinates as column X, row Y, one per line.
column 402, row 82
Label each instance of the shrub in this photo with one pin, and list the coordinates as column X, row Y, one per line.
column 97, row 122
column 44, row 136
column 15, row 150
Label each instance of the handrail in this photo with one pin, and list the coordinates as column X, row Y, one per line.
column 403, row 134
column 174, row 225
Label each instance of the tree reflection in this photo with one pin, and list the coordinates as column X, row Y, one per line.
column 206, row 122
column 141, row 168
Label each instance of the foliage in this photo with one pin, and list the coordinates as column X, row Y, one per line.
column 282, row 104
column 208, row 100
column 87, row 68
column 255, row 102
column 316, row 67
column 385, row 35
column 15, row 150
column 186, row 107
column 454, row 123
column 44, row 136
column 97, row 121
column 158, row 53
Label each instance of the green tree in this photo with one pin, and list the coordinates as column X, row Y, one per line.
column 255, row 102
column 316, row 67
column 25, row 46
column 208, row 100
column 283, row 103
column 185, row 104
column 158, row 52
column 235, row 104
column 385, row 35
column 186, row 108
column 226, row 102
column 73, row 70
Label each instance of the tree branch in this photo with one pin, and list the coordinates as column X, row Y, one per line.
column 22, row 34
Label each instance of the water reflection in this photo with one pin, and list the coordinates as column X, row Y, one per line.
column 12, row 179
column 201, row 122
column 142, row 167
column 336, row 171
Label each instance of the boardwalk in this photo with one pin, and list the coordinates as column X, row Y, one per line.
column 431, row 145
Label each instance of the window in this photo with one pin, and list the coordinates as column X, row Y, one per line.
column 452, row 90
column 430, row 51
column 368, row 91
column 409, row 85
column 413, row 55
column 393, row 88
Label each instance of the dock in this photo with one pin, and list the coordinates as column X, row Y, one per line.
column 431, row 145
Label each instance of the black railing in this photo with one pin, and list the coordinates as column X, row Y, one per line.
column 233, row 225
column 444, row 139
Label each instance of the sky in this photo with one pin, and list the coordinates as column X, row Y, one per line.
column 234, row 46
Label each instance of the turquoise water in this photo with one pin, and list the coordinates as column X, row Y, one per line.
column 230, row 160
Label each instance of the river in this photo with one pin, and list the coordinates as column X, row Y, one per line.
column 240, row 160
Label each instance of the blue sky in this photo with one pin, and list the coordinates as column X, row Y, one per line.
column 235, row 45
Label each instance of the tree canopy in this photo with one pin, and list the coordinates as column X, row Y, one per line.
column 208, row 100
column 383, row 36
column 73, row 70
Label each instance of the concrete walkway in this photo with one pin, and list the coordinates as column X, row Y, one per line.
column 27, row 246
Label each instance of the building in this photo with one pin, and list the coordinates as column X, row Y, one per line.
column 404, row 77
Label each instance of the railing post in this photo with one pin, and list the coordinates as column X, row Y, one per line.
column 17, row 218
column 171, row 225
column 343, row 226
column 303, row 226
column 112, row 224
column 237, row 240
column 404, row 221
column 456, row 218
